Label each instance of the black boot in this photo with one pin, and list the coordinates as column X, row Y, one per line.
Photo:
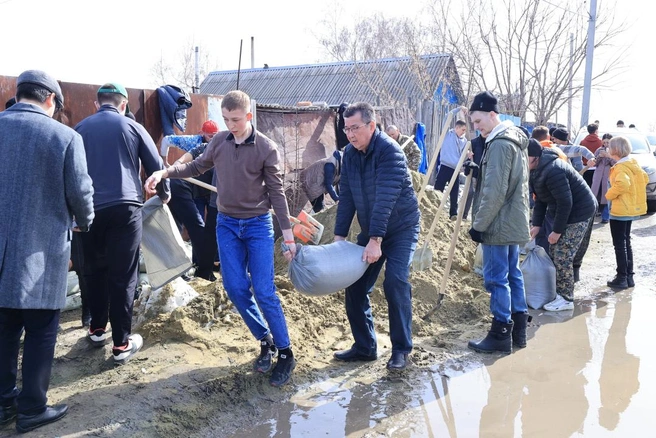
column 520, row 320
column 629, row 280
column 619, row 282
column 268, row 351
column 284, row 367
column 576, row 273
column 398, row 361
column 497, row 339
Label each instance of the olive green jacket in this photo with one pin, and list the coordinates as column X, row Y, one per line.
column 501, row 205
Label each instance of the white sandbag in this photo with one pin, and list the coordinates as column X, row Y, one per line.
column 326, row 269
column 154, row 302
column 539, row 276
column 72, row 284
column 73, row 301
column 478, row 260
column 163, row 249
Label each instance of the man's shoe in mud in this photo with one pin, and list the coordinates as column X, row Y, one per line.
column 25, row 423
column 352, row 355
column 97, row 337
column 7, row 414
column 398, row 361
column 283, row 370
column 619, row 282
column 629, row 280
column 124, row 353
column 264, row 361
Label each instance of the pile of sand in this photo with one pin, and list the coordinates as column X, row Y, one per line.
column 318, row 325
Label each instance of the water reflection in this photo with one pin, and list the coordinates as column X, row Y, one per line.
column 576, row 378
column 619, row 370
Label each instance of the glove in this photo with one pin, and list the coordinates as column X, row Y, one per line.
column 469, row 165
column 476, row 236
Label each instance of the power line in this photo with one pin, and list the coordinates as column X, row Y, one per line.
column 565, row 9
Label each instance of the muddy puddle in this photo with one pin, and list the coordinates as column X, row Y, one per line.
column 586, row 372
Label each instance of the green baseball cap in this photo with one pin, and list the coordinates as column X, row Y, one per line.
column 113, row 87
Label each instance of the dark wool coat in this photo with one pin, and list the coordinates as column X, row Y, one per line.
column 559, row 187
column 43, row 184
column 377, row 186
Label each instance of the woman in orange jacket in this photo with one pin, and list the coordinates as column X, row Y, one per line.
column 628, row 201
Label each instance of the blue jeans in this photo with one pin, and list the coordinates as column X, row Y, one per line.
column 504, row 281
column 246, row 250
column 397, row 249
column 605, row 212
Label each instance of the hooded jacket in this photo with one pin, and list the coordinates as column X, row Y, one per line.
column 561, row 189
column 627, row 189
column 500, row 208
column 173, row 105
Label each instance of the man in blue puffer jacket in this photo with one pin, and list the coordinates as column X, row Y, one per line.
column 376, row 184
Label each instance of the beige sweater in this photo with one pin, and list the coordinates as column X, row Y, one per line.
column 249, row 176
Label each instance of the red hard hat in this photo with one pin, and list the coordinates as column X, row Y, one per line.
column 210, row 127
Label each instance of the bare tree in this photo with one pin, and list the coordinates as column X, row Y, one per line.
column 180, row 69
column 520, row 49
column 371, row 42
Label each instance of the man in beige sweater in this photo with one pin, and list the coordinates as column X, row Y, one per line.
column 249, row 184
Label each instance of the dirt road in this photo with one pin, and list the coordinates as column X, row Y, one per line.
column 193, row 378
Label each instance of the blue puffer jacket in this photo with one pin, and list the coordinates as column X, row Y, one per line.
column 377, row 186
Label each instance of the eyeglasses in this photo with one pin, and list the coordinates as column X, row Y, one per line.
column 353, row 128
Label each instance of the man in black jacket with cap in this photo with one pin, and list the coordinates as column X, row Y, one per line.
column 559, row 187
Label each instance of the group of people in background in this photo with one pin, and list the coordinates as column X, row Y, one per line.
column 542, row 176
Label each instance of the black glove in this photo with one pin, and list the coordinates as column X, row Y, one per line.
column 469, row 165
column 476, row 236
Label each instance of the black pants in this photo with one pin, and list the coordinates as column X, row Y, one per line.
column 184, row 210
column 38, row 353
column 317, row 204
column 211, row 242
column 77, row 257
column 620, row 231
column 441, row 180
column 111, row 265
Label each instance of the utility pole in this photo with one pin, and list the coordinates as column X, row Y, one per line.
column 571, row 74
column 589, row 54
column 196, row 87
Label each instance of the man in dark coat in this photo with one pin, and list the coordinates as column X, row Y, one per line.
column 376, row 184
column 39, row 199
column 561, row 189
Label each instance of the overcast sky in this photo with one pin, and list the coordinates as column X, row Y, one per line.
column 99, row 41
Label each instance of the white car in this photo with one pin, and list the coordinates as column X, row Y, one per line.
column 641, row 151
column 651, row 138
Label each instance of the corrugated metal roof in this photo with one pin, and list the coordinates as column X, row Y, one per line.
column 379, row 82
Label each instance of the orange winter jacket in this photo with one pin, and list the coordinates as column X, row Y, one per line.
column 627, row 190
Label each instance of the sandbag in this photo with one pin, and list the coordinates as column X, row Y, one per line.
column 72, row 284
column 478, row 260
column 326, row 269
column 539, row 276
column 163, row 249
